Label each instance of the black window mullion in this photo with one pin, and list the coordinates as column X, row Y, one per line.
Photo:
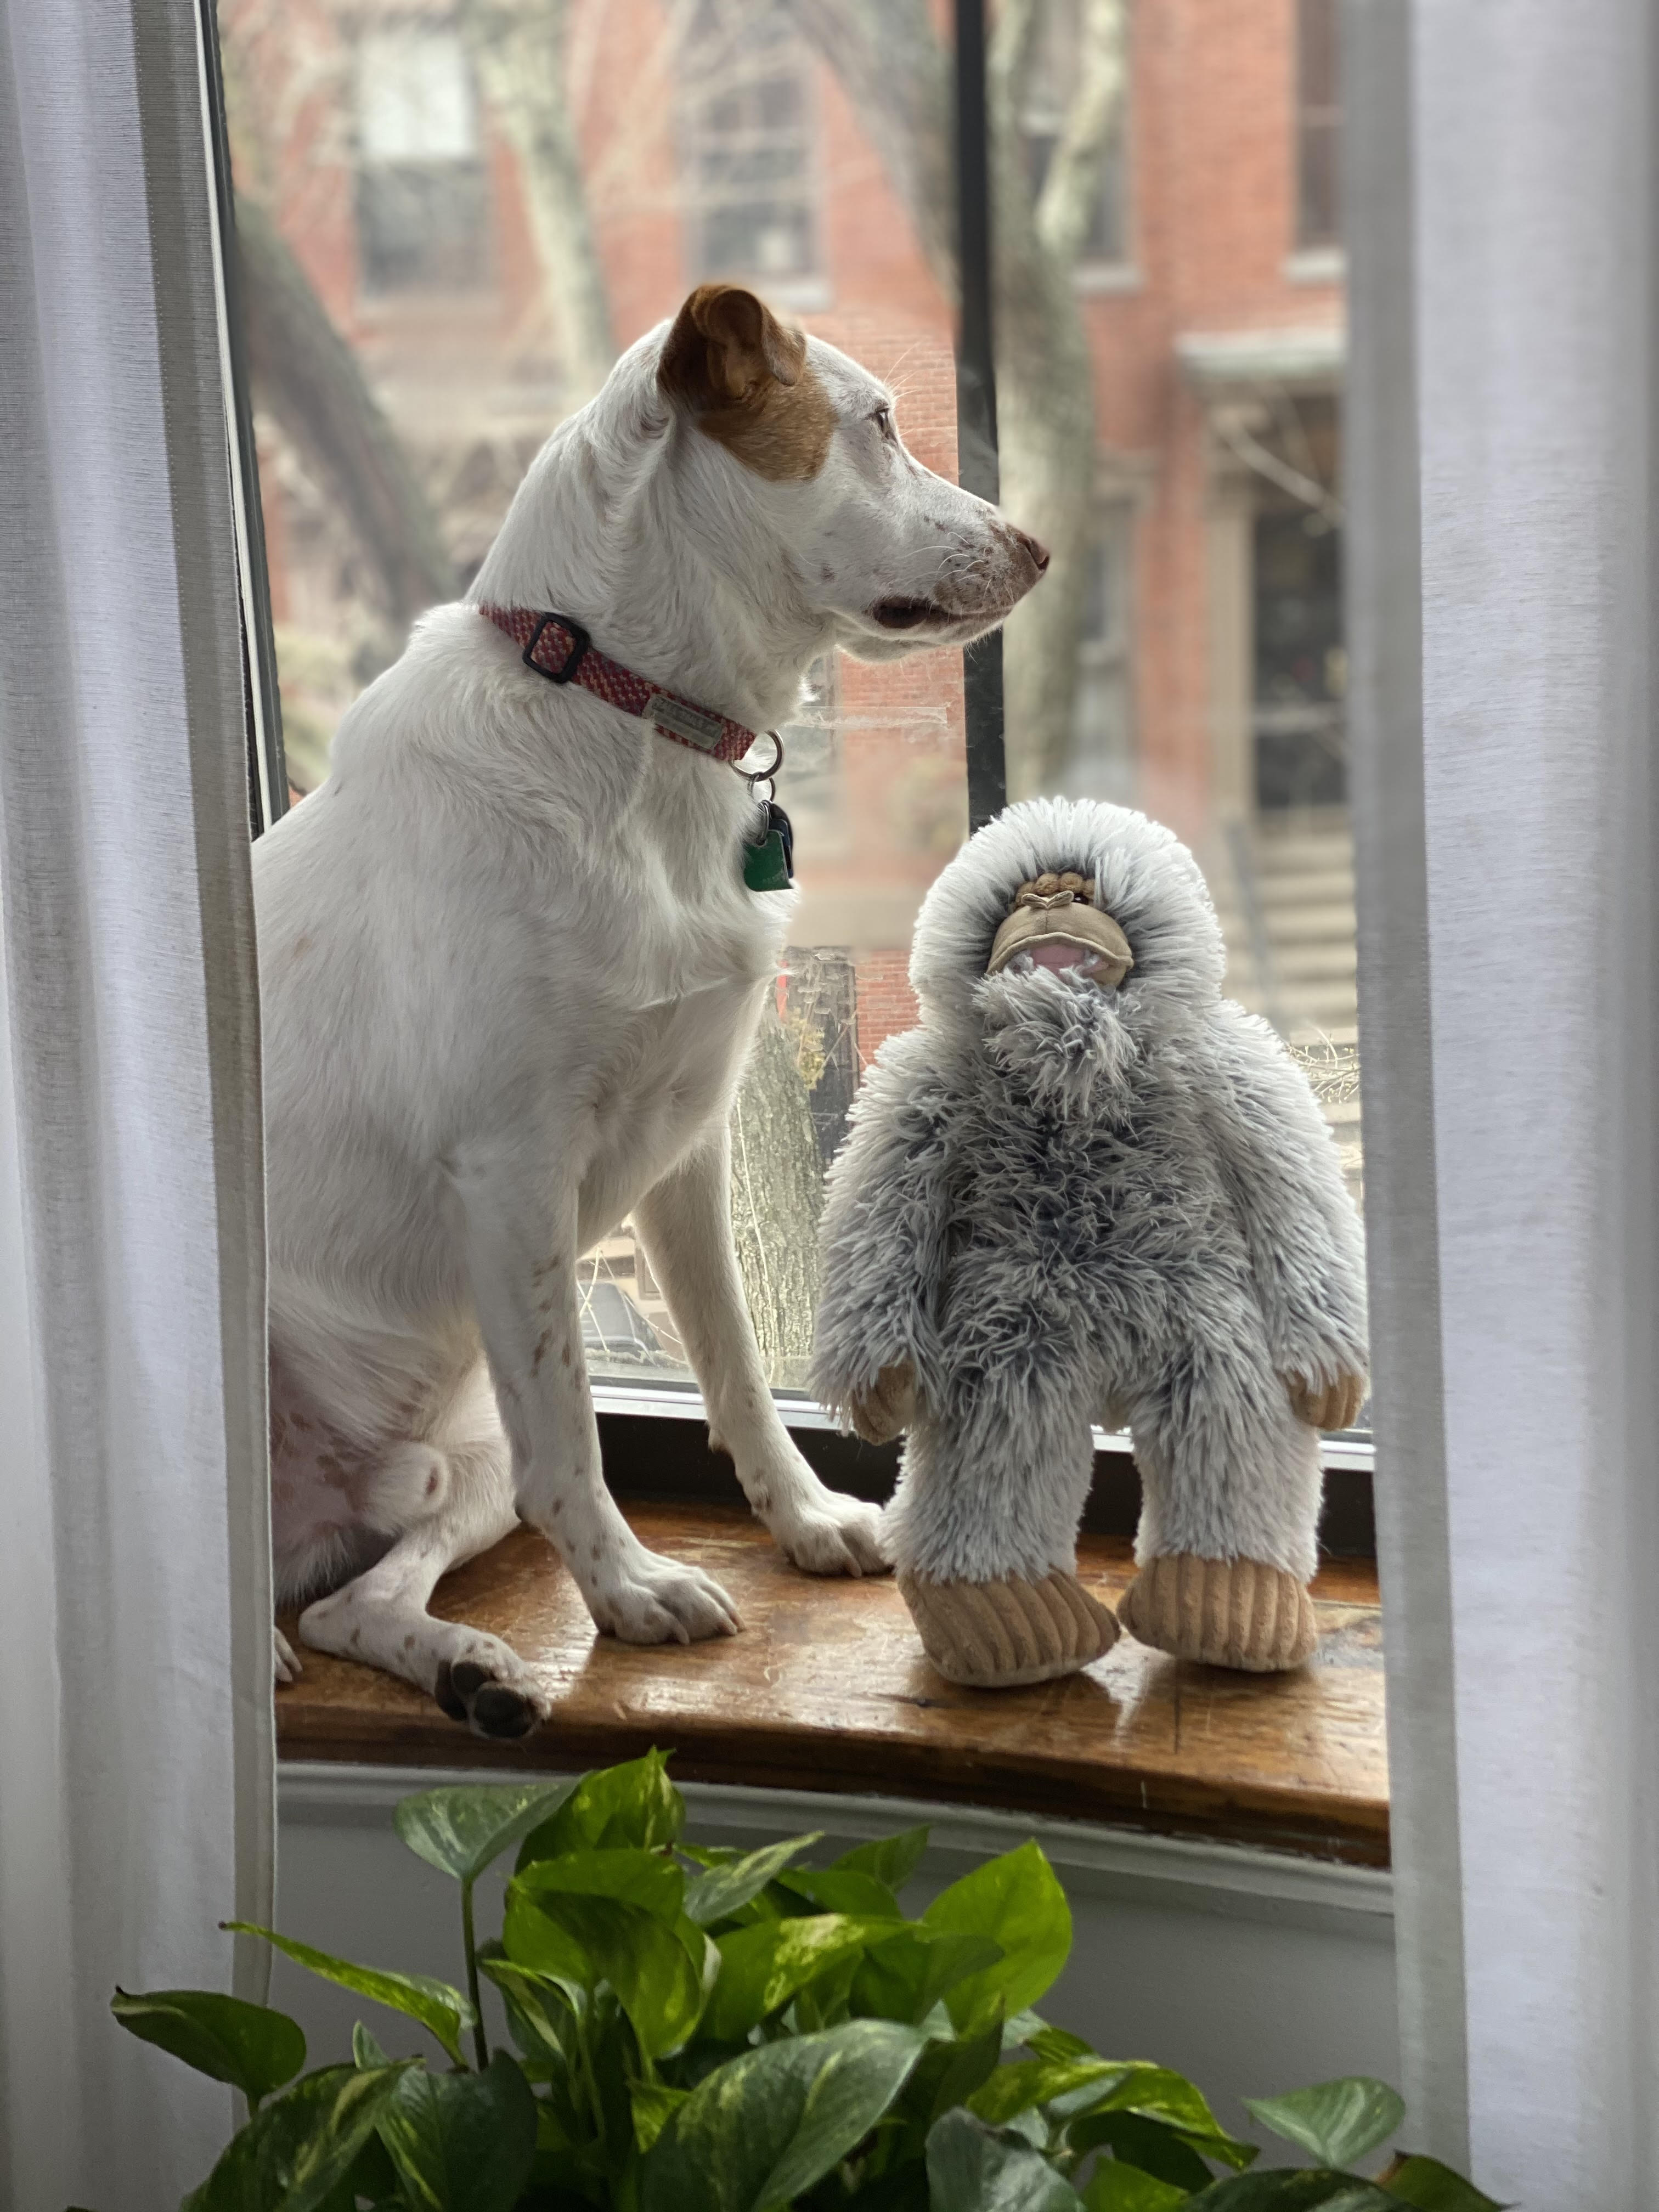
column 267, row 770
column 977, row 399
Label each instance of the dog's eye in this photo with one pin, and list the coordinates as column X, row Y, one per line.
column 882, row 419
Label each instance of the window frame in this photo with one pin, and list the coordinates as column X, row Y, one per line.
column 679, row 1411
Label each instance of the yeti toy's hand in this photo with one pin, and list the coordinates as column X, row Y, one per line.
column 888, row 1408
column 1327, row 1406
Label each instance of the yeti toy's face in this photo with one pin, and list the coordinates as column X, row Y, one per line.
column 1056, row 924
column 1066, row 942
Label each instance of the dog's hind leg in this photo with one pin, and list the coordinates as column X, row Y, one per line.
column 452, row 1500
column 685, row 1223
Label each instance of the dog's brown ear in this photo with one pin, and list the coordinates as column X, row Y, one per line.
column 727, row 349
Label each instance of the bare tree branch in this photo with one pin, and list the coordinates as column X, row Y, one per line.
column 309, row 378
column 896, row 71
column 1066, row 204
column 518, row 48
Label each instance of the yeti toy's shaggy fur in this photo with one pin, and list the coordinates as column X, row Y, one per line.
column 1063, row 1204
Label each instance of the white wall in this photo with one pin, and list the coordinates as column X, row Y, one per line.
column 1250, row 1971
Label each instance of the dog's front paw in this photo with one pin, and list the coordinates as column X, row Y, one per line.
column 832, row 1534
column 656, row 1600
column 287, row 1668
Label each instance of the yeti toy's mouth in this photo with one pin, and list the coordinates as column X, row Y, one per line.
column 1088, row 965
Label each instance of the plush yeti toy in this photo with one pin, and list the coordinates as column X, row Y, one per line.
column 1090, row 1189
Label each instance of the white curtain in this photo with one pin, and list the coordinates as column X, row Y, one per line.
column 1502, row 226
column 135, row 1753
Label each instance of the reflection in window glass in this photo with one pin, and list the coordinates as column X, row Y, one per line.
column 1175, row 438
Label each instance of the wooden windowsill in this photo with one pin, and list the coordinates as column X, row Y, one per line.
column 827, row 1690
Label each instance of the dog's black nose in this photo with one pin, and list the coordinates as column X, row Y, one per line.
column 1034, row 551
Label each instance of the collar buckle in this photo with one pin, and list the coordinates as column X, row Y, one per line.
column 581, row 642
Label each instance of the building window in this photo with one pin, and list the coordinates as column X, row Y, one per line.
column 1055, row 62
column 1318, row 126
column 423, row 197
column 1301, row 666
column 749, row 146
column 1102, row 763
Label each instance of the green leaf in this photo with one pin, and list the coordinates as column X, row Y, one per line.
column 1157, row 2094
column 891, row 1862
column 366, row 2052
column 1284, row 2190
column 251, row 2047
column 537, row 2006
column 587, row 1939
column 1338, row 2121
column 1154, row 2146
column 826, row 2000
column 462, row 2142
column 762, row 2129
column 291, row 2154
column 1030, row 2082
column 647, row 1879
column 842, row 1889
column 728, row 1888
column 970, row 2169
column 440, row 2010
column 463, row 1830
column 1115, row 2187
column 904, row 1975
column 1433, row 2187
column 763, row 1966
column 1036, row 2034
column 947, row 2074
column 1016, row 1901
column 633, row 1806
column 655, row 2105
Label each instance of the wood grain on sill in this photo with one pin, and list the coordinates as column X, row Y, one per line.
column 827, row 1690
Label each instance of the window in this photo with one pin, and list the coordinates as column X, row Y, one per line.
column 749, row 147
column 1178, row 446
column 1318, row 126
column 421, row 195
column 1103, row 764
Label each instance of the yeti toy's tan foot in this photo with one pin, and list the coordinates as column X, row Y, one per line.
column 1227, row 1612
column 994, row 1635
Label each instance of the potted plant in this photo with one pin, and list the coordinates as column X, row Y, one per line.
column 702, row 2030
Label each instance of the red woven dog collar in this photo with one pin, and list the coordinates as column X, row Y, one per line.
column 558, row 647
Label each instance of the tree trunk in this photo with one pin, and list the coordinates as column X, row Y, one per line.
column 777, row 1193
column 1045, row 376
column 897, row 73
column 309, row 378
column 518, row 48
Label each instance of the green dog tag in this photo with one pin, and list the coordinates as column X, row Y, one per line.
column 768, row 859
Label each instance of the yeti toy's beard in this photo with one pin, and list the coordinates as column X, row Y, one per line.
column 1058, row 1038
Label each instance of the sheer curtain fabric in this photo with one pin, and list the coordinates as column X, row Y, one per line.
column 135, row 1757
column 1502, row 209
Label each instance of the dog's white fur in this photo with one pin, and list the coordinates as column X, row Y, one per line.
column 510, row 975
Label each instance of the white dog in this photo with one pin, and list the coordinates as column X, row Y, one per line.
column 510, row 974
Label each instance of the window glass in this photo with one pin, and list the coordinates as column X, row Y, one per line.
column 1318, row 121
column 452, row 222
